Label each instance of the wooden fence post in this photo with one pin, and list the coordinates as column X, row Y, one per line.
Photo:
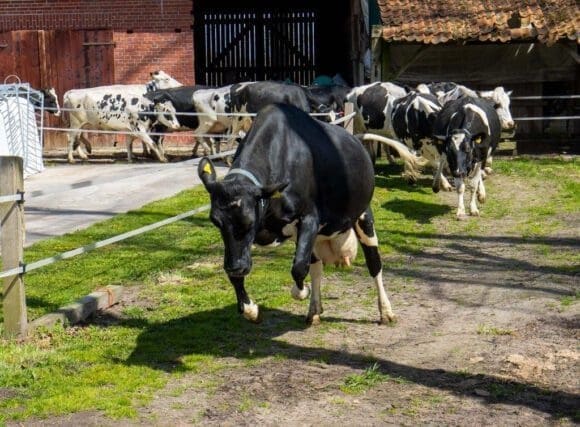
column 11, row 246
column 349, row 124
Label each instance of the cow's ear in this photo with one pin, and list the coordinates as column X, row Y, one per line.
column 273, row 191
column 207, row 173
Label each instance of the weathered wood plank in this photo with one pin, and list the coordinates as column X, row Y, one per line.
column 11, row 244
column 80, row 310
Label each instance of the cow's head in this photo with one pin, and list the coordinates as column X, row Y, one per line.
column 460, row 151
column 501, row 101
column 166, row 114
column 237, row 205
column 51, row 101
column 162, row 80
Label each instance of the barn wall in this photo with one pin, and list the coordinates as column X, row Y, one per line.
column 139, row 27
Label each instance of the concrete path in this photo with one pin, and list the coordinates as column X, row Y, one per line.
column 66, row 198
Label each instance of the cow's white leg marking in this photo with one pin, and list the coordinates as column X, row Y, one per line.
column 298, row 294
column 460, row 192
column 385, row 309
column 474, row 184
column 315, row 309
column 251, row 312
column 481, row 194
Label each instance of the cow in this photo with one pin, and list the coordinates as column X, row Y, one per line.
column 448, row 91
column 327, row 99
column 373, row 105
column 294, row 177
column 49, row 101
column 107, row 108
column 468, row 130
column 412, row 117
column 159, row 80
column 247, row 98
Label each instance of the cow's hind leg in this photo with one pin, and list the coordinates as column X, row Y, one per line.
column 365, row 231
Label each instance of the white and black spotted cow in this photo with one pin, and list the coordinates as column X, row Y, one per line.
column 117, row 97
column 468, row 129
column 448, row 91
column 294, row 177
column 413, row 117
column 114, row 108
column 49, row 101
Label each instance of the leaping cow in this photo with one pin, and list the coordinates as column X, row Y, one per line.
column 294, row 177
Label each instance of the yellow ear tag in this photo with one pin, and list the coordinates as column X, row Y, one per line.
column 207, row 168
column 276, row 195
column 478, row 140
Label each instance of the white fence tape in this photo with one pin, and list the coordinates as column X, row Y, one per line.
column 92, row 246
column 12, row 198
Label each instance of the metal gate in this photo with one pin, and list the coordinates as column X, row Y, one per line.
column 242, row 45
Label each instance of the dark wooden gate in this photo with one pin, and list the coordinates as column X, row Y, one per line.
column 61, row 59
column 240, row 45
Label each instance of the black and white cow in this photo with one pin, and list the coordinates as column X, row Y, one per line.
column 49, row 101
column 413, row 116
column 448, row 91
column 469, row 130
column 251, row 97
column 114, row 108
column 75, row 98
column 327, row 99
column 294, row 177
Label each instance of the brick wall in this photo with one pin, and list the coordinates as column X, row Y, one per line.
column 149, row 34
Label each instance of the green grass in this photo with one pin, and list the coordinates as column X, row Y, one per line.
column 184, row 319
column 371, row 377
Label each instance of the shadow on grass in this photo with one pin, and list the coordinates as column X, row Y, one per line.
column 221, row 333
column 422, row 212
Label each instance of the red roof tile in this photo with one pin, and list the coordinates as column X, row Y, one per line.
column 439, row 21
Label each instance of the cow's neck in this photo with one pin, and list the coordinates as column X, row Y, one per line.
column 247, row 174
column 261, row 207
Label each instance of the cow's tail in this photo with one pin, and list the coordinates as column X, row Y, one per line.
column 413, row 163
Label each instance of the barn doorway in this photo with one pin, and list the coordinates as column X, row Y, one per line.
column 294, row 40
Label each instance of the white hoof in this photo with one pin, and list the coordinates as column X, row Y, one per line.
column 251, row 312
column 298, row 294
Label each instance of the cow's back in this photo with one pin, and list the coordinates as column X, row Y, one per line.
column 327, row 168
column 252, row 97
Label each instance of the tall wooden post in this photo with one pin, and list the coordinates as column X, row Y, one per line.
column 11, row 245
column 376, row 53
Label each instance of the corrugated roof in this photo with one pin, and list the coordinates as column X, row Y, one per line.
column 440, row 21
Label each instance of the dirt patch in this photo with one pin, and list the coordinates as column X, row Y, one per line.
column 483, row 338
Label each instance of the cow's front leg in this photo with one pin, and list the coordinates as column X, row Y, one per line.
column 315, row 308
column 365, row 231
column 460, row 193
column 306, row 234
column 246, row 306
column 475, row 184
column 438, row 177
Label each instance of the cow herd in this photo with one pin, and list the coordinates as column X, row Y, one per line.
column 448, row 127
